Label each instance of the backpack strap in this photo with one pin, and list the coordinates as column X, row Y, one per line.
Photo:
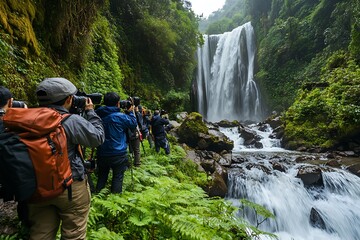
column 66, row 116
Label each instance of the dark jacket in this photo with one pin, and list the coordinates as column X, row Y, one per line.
column 116, row 125
column 158, row 127
column 133, row 133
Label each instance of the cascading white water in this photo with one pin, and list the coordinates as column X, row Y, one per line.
column 225, row 84
column 284, row 195
column 337, row 201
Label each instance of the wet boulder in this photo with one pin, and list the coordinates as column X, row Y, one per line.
column 227, row 124
column 220, row 142
column 333, row 163
column 274, row 121
column 310, row 176
column 304, row 158
column 316, row 220
column 277, row 133
column 250, row 137
column 218, row 187
column 278, row 166
column 190, row 128
column 355, row 169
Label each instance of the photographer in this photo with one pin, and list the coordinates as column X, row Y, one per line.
column 5, row 103
column 112, row 154
column 158, row 130
column 70, row 215
column 146, row 125
column 135, row 135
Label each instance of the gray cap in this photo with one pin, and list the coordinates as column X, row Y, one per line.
column 52, row 90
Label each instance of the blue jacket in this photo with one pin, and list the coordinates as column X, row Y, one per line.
column 116, row 125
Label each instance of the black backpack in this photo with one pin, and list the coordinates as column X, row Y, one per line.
column 17, row 174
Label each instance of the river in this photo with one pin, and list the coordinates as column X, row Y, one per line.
column 336, row 202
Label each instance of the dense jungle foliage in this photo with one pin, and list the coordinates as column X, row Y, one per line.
column 144, row 48
column 303, row 46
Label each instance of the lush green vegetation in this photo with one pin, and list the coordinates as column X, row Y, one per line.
column 327, row 115
column 144, row 48
column 296, row 40
column 161, row 201
column 164, row 199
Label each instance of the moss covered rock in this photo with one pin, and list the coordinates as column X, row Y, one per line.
column 196, row 134
column 190, row 129
column 16, row 17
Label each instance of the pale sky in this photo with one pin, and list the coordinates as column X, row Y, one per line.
column 206, row 6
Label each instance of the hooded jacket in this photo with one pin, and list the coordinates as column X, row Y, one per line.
column 116, row 125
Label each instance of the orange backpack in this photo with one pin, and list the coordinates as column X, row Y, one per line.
column 41, row 130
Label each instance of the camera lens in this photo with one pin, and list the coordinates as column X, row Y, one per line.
column 95, row 97
column 18, row 104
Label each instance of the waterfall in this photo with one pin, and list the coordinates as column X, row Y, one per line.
column 225, row 86
column 336, row 202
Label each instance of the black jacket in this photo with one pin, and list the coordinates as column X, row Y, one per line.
column 158, row 127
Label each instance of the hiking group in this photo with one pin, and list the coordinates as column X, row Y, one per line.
column 42, row 164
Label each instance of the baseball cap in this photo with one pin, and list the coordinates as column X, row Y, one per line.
column 52, row 90
column 5, row 95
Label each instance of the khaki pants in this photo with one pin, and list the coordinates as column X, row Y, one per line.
column 45, row 217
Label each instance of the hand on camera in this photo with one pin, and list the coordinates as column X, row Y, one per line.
column 89, row 104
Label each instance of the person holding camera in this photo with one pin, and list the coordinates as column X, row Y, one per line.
column 71, row 215
column 146, row 126
column 6, row 100
column 135, row 135
column 158, row 124
column 5, row 103
column 112, row 154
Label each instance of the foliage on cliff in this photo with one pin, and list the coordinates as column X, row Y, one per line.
column 327, row 114
column 142, row 48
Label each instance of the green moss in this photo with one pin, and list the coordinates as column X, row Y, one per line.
column 16, row 17
column 191, row 127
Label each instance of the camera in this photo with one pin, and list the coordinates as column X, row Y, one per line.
column 90, row 165
column 18, row 104
column 79, row 101
column 136, row 101
column 125, row 104
column 162, row 112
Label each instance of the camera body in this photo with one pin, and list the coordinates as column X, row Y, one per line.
column 79, row 101
column 18, row 104
column 136, row 101
column 125, row 104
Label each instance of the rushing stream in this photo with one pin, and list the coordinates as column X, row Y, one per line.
column 337, row 201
